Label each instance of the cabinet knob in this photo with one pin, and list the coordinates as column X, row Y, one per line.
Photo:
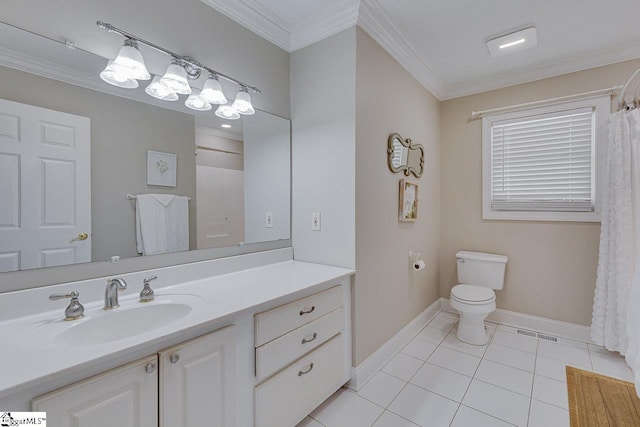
column 313, row 337
column 307, row 311
column 174, row 358
column 305, row 372
column 151, row 367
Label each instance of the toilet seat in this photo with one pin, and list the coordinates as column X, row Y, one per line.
column 471, row 294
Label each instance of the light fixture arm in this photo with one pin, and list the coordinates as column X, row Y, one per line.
column 110, row 28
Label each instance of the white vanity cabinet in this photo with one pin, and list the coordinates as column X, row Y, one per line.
column 300, row 350
column 197, row 382
column 189, row 385
column 125, row 396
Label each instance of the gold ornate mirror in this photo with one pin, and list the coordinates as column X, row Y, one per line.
column 404, row 155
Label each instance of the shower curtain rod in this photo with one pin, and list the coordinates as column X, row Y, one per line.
column 621, row 101
column 611, row 91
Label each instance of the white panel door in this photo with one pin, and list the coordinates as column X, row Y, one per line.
column 197, row 382
column 45, row 187
column 219, row 206
column 123, row 397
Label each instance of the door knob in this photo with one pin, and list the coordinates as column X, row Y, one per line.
column 81, row 236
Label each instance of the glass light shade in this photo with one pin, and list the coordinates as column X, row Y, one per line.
column 242, row 103
column 195, row 101
column 159, row 90
column 130, row 59
column 212, row 91
column 176, row 78
column 227, row 112
column 116, row 76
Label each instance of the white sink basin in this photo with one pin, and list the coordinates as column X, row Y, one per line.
column 100, row 326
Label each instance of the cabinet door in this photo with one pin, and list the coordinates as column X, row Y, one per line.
column 197, row 382
column 125, row 396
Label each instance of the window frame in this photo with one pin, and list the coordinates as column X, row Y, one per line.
column 601, row 106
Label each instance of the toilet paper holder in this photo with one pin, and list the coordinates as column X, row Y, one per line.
column 416, row 261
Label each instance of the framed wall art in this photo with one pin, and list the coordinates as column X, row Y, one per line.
column 161, row 168
column 408, row 207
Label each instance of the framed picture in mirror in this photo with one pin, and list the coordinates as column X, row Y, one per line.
column 408, row 206
column 161, row 168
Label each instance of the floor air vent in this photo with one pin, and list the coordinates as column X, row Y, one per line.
column 537, row 335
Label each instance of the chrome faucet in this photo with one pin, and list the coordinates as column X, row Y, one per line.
column 147, row 294
column 111, row 293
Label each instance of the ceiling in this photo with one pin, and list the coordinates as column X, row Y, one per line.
column 442, row 43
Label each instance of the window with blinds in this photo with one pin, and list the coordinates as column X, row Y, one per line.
column 545, row 163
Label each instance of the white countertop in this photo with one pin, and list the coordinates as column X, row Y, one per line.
column 28, row 358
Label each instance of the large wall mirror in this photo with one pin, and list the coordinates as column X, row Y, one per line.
column 235, row 173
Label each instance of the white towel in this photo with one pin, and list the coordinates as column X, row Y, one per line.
column 162, row 223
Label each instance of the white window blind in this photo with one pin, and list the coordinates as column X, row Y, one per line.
column 544, row 162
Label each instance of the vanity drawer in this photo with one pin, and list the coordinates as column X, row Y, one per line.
column 277, row 354
column 289, row 396
column 277, row 322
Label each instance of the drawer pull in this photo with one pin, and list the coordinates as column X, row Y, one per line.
column 303, row 312
column 304, row 340
column 301, row 373
column 150, row 367
column 174, row 358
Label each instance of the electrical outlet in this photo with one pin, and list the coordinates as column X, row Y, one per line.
column 315, row 221
column 268, row 220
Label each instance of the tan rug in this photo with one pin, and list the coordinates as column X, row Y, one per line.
column 597, row 400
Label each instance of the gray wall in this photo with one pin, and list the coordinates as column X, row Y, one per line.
column 323, row 96
column 121, row 133
column 267, row 177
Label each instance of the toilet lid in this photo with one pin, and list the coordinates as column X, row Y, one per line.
column 472, row 293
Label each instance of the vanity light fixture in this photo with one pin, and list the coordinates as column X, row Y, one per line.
column 226, row 126
column 176, row 78
column 161, row 91
column 118, row 77
column 227, row 112
column 129, row 62
column 197, row 102
column 242, row 103
column 129, row 65
column 212, row 91
column 513, row 42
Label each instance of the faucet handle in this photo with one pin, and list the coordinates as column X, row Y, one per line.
column 146, row 280
column 75, row 310
column 147, row 294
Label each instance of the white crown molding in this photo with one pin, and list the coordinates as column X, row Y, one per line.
column 324, row 24
column 375, row 22
column 286, row 35
column 256, row 18
column 574, row 64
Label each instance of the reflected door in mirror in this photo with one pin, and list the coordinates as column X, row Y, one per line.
column 45, row 197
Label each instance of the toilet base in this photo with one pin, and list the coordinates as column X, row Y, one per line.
column 471, row 329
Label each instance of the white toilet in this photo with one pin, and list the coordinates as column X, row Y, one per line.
column 479, row 274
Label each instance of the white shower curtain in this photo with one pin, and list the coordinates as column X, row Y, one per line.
column 616, row 308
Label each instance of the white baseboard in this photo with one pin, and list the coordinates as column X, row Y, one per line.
column 361, row 374
column 535, row 323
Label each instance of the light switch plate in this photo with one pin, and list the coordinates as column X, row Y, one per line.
column 315, row 221
column 268, row 219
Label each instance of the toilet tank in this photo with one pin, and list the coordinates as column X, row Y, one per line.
column 480, row 269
